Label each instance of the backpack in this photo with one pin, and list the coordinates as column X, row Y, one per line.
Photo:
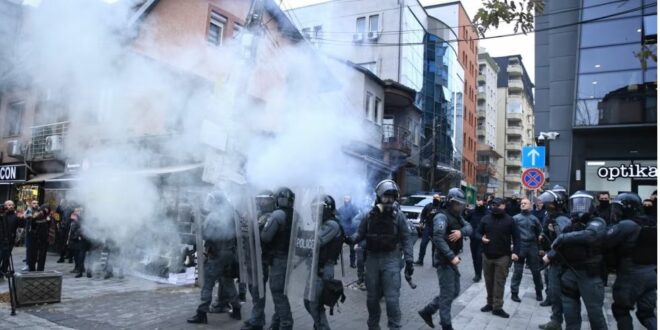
column 332, row 293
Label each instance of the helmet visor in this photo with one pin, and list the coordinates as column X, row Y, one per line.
column 581, row 204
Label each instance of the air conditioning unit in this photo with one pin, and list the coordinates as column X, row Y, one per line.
column 53, row 143
column 357, row 37
column 14, row 149
column 372, row 36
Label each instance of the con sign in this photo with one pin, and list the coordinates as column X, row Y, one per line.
column 12, row 173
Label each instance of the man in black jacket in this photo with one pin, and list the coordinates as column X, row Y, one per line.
column 529, row 228
column 9, row 222
column 428, row 213
column 476, row 247
column 497, row 230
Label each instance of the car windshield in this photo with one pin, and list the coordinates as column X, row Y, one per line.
column 416, row 201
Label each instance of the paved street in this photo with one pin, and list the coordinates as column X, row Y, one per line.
column 135, row 303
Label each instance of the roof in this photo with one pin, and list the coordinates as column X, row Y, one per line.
column 503, row 75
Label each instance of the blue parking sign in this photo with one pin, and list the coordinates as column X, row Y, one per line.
column 533, row 157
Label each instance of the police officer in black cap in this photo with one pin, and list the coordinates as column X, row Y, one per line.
column 633, row 239
column 449, row 228
column 579, row 247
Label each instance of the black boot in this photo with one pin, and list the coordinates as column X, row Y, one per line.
column 235, row 312
column 419, row 262
column 200, row 317
column 241, row 297
column 60, row 260
column 514, row 297
column 79, row 275
column 539, row 296
column 427, row 317
column 248, row 326
column 476, row 278
column 447, row 327
column 546, row 302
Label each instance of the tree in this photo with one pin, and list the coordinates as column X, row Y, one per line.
column 522, row 12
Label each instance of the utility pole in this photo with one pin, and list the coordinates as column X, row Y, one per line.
column 434, row 159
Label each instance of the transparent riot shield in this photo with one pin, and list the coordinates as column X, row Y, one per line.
column 302, row 266
column 248, row 243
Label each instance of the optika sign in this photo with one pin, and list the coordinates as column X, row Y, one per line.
column 8, row 173
column 626, row 171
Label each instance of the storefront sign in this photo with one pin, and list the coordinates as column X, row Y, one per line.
column 632, row 170
column 12, row 173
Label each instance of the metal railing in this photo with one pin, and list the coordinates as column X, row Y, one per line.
column 48, row 139
column 397, row 137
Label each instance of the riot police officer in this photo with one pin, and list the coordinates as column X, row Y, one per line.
column 265, row 206
column 633, row 240
column 579, row 247
column 553, row 224
column 275, row 237
column 449, row 228
column 387, row 234
column 220, row 244
column 330, row 240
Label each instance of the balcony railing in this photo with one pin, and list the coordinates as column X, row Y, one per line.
column 489, row 168
column 515, row 84
column 514, row 69
column 396, row 138
column 514, row 145
column 48, row 140
column 514, row 130
column 513, row 161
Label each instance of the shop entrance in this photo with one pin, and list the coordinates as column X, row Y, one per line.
column 644, row 188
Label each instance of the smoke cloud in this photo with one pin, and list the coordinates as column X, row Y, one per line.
column 287, row 116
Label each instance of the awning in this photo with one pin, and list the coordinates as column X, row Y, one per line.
column 45, row 177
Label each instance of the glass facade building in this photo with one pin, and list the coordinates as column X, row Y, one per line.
column 613, row 86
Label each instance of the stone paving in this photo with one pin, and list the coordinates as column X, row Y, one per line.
column 135, row 303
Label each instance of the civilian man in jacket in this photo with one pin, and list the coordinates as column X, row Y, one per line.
column 9, row 222
column 345, row 215
column 530, row 231
column 497, row 230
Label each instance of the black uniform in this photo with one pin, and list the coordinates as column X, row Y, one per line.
column 476, row 246
column 9, row 222
column 634, row 244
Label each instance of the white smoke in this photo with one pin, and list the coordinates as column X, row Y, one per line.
column 86, row 55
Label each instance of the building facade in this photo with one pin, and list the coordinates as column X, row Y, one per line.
column 597, row 96
column 515, row 87
column 489, row 175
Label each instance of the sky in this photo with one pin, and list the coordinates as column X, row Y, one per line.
column 520, row 44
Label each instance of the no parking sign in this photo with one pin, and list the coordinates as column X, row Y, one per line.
column 533, row 178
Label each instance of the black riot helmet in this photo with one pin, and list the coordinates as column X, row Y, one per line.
column 582, row 206
column 325, row 206
column 265, row 201
column 284, row 198
column 562, row 196
column 626, row 205
column 550, row 204
column 455, row 201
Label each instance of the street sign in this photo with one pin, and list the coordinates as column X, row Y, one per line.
column 533, row 157
column 533, row 178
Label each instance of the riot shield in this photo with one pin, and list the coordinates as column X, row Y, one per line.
column 302, row 266
column 248, row 242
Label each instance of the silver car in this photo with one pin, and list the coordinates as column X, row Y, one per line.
column 412, row 207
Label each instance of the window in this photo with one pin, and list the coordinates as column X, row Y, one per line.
column 216, row 28
column 651, row 29
column 367, row 106
column 373, row 23
column 611, row 32
column 360, row 24
column 611, row 58
column 514, row 107
column 237, row 30
column 600, row 8
column 379, row 112
column 14, row 118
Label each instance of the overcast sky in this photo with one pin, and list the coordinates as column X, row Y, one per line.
column 520, row 44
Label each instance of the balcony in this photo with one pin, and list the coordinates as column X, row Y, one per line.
column 512, row 177
column 514, row 130
column 489, row 168
column 397, row 138
column 481, row 77
column 515, row 85
column 516, row 145
column 514, row 70
column 513, row 161
column 514, row 115
column 48, row 140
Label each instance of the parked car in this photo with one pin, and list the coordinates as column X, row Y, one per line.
column 412, row 207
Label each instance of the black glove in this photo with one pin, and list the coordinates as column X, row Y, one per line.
column 409, row 268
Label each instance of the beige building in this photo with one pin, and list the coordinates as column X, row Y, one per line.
column 489, row 152
column 516, row 102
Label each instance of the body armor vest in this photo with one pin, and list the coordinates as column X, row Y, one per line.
column 453, row 223
column 382, row 232
column 329, row 253
column 579, row 254
column 280, row 243
column 645, row 251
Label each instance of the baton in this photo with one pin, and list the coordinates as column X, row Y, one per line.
column 341, row 259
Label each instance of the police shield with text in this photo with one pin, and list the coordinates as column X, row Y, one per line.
column 554, row 223
column 387, row 234
column 449, row 228
column 329, row 241
column 633, row 239
column 579, row 247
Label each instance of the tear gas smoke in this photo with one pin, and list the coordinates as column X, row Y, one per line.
column 288, row 123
